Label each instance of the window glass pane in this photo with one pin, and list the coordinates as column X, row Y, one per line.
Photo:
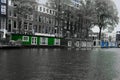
column 3, row 23
column 25, row 25
column 40, row 8
column 30, row 26
column 15, row 24
column 25, row 38
column 3, row 9
column 39, row 28
column 35, row 28
column 9, row 25
column 40, row 18
column 44, row 41
column 57, row 41
column 34, row 40
column 3, row 1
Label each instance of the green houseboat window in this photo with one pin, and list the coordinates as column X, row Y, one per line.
column 25, row 38
column 34, row 41
column 69, row 43
column 44, row 41
column 57, row 41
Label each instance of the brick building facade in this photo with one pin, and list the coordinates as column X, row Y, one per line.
column 3, row 17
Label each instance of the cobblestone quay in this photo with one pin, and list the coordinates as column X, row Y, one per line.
column 59, row 64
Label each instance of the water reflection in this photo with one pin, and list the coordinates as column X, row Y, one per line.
column 58, row 64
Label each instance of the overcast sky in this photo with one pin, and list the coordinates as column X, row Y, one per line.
column 117, row 2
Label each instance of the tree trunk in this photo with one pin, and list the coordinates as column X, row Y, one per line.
column 100, row 33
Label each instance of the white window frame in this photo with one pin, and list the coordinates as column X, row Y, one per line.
column 3, row 1
column 41, row 9
column 69, row 43
column 26, row 25
column 45, row 41
column 23, row 38
column 57, row 42
column 3, row 23
column 77, row 43
column 34, row 42
column 3, row 9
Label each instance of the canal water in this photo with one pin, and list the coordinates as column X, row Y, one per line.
column 59, row 64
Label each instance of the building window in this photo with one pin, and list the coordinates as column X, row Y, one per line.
column 50, row 11
column 46, row 29
column 3, row 9
column 50, row 21
column 31, row 17
column 49, row 30
column 15, row 14
column 3, row 23
column 52, row 30
column 25, row 38
column 39, row 28
column 10, row 13
column 25, row 25
column 3, row 1
column 36, row 17
column 53, row 12
column 9, row 26
column 15, row 24
column 35, row 28
column 34, row 40
column 40, row 8
column 69, row 43
column 26, row 16
column 10, row 2
column 40, row 18
column 44, row 41
column 43, row 29
column 43, row 9
column 47, row 10
column 47, row 20
column 44, row 19
column 77, row 5
column 30, row 26
column 57, row 41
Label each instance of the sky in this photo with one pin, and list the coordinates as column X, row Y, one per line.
column 117, row 2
